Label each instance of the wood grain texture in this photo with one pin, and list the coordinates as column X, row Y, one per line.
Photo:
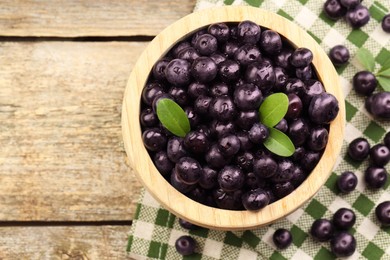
column 70, row 243
column 61, row 149
column 168, row 196
column 89, row 17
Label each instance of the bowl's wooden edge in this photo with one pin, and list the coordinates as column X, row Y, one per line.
column 159, row 188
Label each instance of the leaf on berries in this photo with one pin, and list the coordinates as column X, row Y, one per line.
column 279, row 143
column 384, row 82
column 366, row 58
column 273, row 109
column 173, row 117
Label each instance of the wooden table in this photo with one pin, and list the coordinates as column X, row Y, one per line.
column 66, row 189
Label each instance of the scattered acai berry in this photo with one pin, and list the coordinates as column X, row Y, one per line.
column 347, row 182
column 220, row 76
column 386, row 23
column 344, row 218
column 380, row 155
column 375, row 177
column 358, row 16
column 322, row 230
column 339, row 55
column 334, row 10
column 359, row 149
column 378, row 105
column 187, row 225
column 382, row 212
column 185, row 245
column 364, row 83
column 350, row 4
column 343, row 244
column 282, row 238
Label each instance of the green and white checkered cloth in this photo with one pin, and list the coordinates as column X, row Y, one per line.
column 155, row 230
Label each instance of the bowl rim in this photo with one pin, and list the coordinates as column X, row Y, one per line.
column 154, row 182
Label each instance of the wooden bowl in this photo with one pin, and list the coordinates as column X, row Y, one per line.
column 154, row 182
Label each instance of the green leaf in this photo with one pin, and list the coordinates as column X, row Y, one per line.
column 273, row 109
column 366, row 58
column 173, row 117
column 384, row 73
column 386, row 65
column 279, row 143
column 384, row 82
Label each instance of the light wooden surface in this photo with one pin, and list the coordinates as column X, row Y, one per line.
column 61, row 150
column 169, row 196
column 74, row 18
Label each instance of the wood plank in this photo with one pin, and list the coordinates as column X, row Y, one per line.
column 89, row 17
column 83, row 242
column 62, row 155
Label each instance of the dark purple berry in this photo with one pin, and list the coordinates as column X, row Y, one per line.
column 247, row 54
column 282, row 59
column 220, row 31
column 265, row 166
column 229, row 145
column 339, row 55
column 218, row 58
column 228, row 200
column 245, row 143
column 179, row 47
column 343, row 244
column 229, row 48
column 382, row 212
column 248, row 97
column 310, row 160
column 298, row 131
column 198, row 194
column 188, row 170
column 261, row 74
column 295, row 86
column 159, row 69
column 179, row 185
column 322, row 230
column 375, row 177
column 196, row 35
column 219, row 89
column 229, row 71
column 258, row 133
column 304, row 73
column 282, row 125
column 294, row 106
column 270, row 42
column 248, row 32
column 178, row 73
column 285, row 171
column 334, row 10
column 281, row 78
column 378, row 105
column 350, row 4
column 245, row 161
column 179, row 95
column 148, row 118
column 282, row 238
column 231, row 178
column 214, row 158
column 318, row 138
column 358, row 16
column 187, row 225
column 220, row 129
column 222, row 108
column 312, row 88
column 282, row 189
column 359, row 149
column 202, row 104
column 246, row 119
column 208, row 180
column 301, row 57
column 252, row 182
column 150, row 92
column 364, row 83
column 347, row 182
column 386, row 23
column 298, row 176
column 189, row 54
column 324, row 108
column 344, row 218
column 204, row 69
column 162, row 163
column 299, row 153
column 175, row 149
column 196, row 142
column 192, row 116
column 154, row 140
column 380, row 155
column 185, row 245
column 255, row 199
column 386, row 140
column 196, row 89
column 206, row 44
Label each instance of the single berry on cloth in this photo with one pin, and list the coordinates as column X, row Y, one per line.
column 378, row 105
column 334, row 10
column 386, row 23
column 380, row 155
column 382, row 212
column 347, row 182
column 322, row 230
column 364, row 83
column 339, row 55
column 343, row 244
column 359, row 149
column 375, row 177
column 358, row 16
column 344, row 218
column 282, row 238
column 185, row 245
